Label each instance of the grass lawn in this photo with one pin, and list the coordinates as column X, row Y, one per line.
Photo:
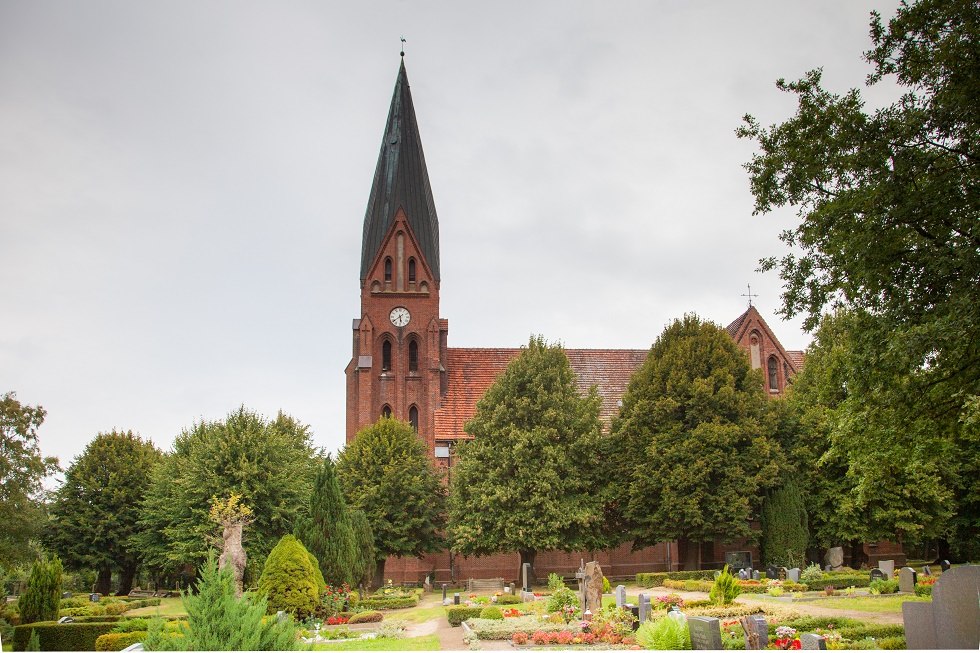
column 170, row 607
column 868, row 603
column 427, row 643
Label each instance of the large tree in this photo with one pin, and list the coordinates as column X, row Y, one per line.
column 96, row 510
column 326, row 530
column 387, row 474
column 529, row 479
column 693, row 441
column 269, row 464
column 889, row 207
column 22, row 469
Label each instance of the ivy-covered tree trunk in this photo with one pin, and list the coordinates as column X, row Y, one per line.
column 103, row 583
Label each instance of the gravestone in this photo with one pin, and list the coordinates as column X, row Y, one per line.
column 952, row 620
column 813, row 642
column 456, row 598
column 620, row 595
column 756, row 632
column 878, row 574
column 772, row 572
column 526, row 576
column 782, row 573
column 138, row 646
column 756, row 575
column 512, row 587
column 906, row 579
column 705, row 633
column 644, row 606
column 834, row 557
column 66, row 595
column 793, row 574
column 94, row 597
column 281, row 616
column 717, row 574
column 926, row 571
column 737, row 560
column 528, row 597
column 592, row 588
column 887, row 566
column 635, row 611
column 443, row 591
column 944, row 565
column 66, row 620
column 743, row 575
column 828, row 568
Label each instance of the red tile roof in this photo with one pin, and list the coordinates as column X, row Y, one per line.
column 473, row 371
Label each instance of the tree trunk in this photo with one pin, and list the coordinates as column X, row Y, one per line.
column 126, row 574
column 103, row 584
column 689, row 553
column 379, row 573
column 942, row 551
column 527, row 556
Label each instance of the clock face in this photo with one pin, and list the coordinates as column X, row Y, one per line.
column 400, row 316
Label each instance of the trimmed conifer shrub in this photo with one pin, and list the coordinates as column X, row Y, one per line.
column 784, row 527
column 288, row 581
column 327, row 532
column 363, row 571
column 42, row 596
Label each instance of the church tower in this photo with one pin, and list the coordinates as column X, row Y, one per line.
column 399, row 345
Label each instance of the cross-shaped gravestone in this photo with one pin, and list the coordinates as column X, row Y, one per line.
column 620, row 596
column 705, row 633
column 813, row 642
column 926, row 571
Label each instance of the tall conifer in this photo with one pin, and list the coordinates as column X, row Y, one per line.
column 326, row 530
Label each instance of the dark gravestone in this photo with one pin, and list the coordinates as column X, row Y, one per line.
column 526, row 576
column 906, row 579
column 812, row 642
column 705, row 633
column 772, row 572
column 443, row 591
column 952, row 620
column 635, row 610
column 877, row 574
column 737, row 560
column 756, row 575
column 944, row 565
column 756, row 632
column 456, row 598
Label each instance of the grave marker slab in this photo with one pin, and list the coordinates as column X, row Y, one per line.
column 878, row 574
column 920, row 628
column 756, row 575
column 526, row 576
column 944, row 565
column 742, row 574
column 813, row 642
column 906, row 579
column 705, row 633
column 620, row 595
column 756, row 632
column 793, row 574
column 887, row 566
column 592, row 588
column 644, row 614
column 952, row 620
column 772, row 572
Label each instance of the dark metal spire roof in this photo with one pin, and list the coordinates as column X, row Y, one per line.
column 401, row 181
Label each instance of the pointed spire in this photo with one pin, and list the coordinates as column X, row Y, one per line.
column 401, row 181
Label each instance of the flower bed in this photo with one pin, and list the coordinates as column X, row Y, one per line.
column 498, row 629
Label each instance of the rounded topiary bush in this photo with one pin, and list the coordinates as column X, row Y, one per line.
column 288, row 580
column 491, row 612
column 369, row 617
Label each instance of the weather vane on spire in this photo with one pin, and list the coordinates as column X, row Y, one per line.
column 403, row 46
column 749, row 295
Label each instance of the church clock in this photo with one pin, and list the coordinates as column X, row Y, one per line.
column 400, row 316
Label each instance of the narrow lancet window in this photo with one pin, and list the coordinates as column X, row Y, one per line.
column 413, row 356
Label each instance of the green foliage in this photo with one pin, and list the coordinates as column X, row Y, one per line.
column 725, row 588
column 218, row 621
column 388, row 602
column 387, row 474
column 288, row 580
column 326, row 529
column 784, row 527
column 42, row 596
column 527, row 481
column 364, row 564
column 509, row 599
column 491, row 612
column 555, row 582
column 53, row 636
column 606, row 586
column 689, row 414
column 270, row 464
column 812, row 574
column 664, row 634
column 883, row 586
column 366, row 617
column 22, row 470
column 562, row 598
column 131, row 625
column 96, row 511
column 6, row 630
column 889, row 232
column 34, row 644
column 657, row 578
column 460, row 613
column 117, row 641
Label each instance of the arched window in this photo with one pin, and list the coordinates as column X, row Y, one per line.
column 388, row 269
column 386, row 356
column 773, row 373
column 411, row 270
column 386, row 411
column 413, row 417
column 413, row 356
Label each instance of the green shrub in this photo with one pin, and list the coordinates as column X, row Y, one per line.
column 105, row 618
column 91, row 610
column 838, row 580
column 459, row 613
column 883, row 586
column 389, row 602
column 811, row 574
column 491, row 612
column 555, row 582
column 871, row 630
column 923, row 590
column 784, row 527
column 503, row 629
column 61, row 637
column 606, row 587
column 131, row 626
column 34, row 643
column 664, row 634
column 508, row 599
column 725, row 588
column 561, row 598
column 41, row 597
column 656, row 579
column 368, row 617
column 118, row 641
column 6, row 630
column 288, row 581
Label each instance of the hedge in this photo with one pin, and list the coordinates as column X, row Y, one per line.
column 840, row 581
column 388, row 603
column 460, row 613
column 656, row 579
column 118, row 641
column 705, row 586
column 369, row 617
column 61, row 637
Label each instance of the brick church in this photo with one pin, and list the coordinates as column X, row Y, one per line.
column 402, row 364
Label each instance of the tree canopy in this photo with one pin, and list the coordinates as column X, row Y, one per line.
column 22, row 469
column 694, row 441
column 270, row 464
column 387, row 474
column 889, row 229
column 529, row 479
column 326, row 530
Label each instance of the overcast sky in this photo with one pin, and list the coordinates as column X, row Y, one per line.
column 183, row 185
